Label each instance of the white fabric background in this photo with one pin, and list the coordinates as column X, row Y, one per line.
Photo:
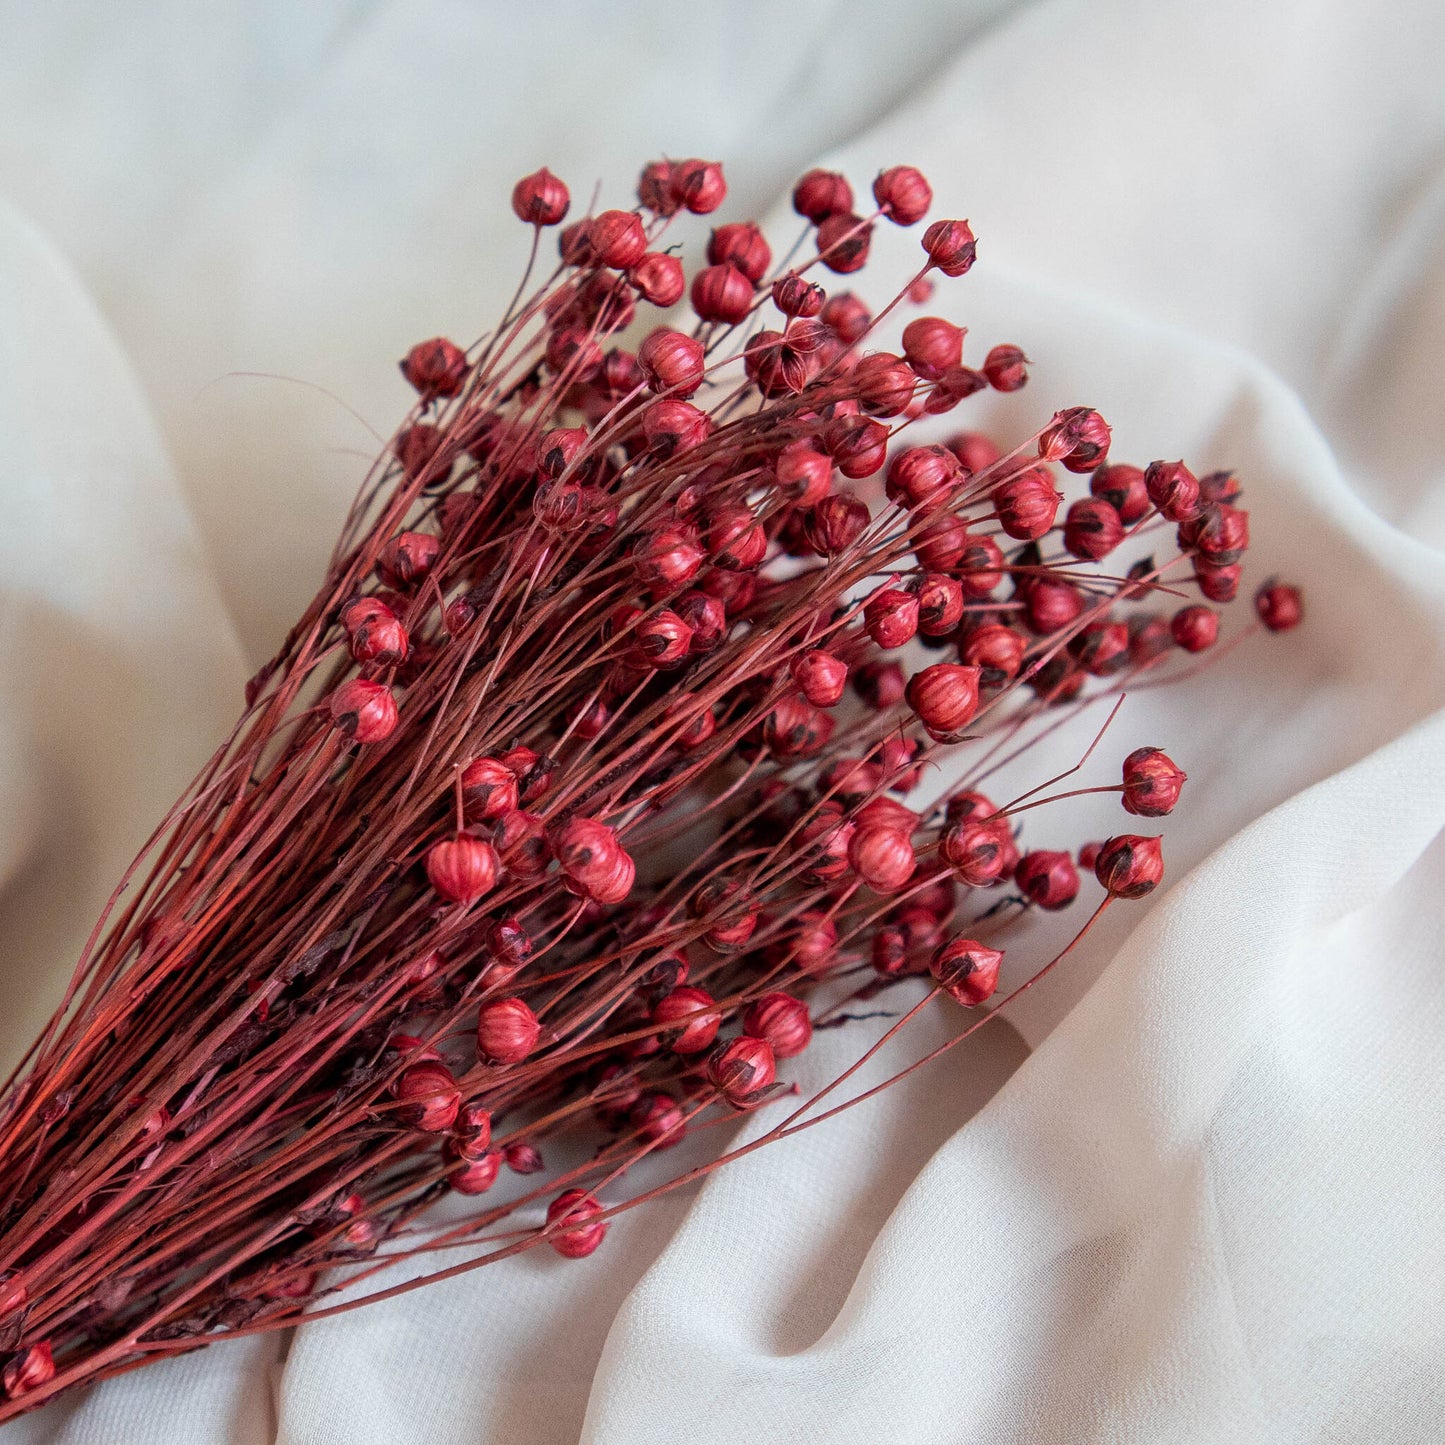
column 1210, row 1204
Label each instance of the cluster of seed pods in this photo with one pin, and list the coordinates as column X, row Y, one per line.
column 639, row 728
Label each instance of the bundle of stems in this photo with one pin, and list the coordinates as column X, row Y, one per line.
column 591, row 780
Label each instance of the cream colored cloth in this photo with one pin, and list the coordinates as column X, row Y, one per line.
column 1210, row 1205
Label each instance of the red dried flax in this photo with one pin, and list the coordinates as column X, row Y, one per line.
column 421, row 917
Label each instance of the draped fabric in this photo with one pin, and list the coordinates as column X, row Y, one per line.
column 1195, row 1191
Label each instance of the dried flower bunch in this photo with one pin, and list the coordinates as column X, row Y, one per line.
column 592, row 780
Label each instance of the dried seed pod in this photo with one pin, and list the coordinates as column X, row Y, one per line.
column 882, row 857
column 1048, row 879
column 843, row 242
column 618, row 240
column 821, row 677
column 903, row 194
column 1152, row 783
column 474, row 1175
column 1280, row 607
column 687, row 1019
column 933, row 346
column 407, row 558
column 1092, row 528
column 540, row 199
column 951, row 246
column 1078, row 437
column 698, row 186
column 743, row 245
column 966, row 970
column 658, row 278
column 722, row 294
column 507, row 1031
column 1129, row 866
column 1194, row 628
column 1006, row 368
column 820, row 194
column 572, row 1218
column 463, row 869
column 782, row 1021
column 428, row 1094
column 436, row 368
column 671, row 362
column 28, row 1370
column 945, row 697
column 1173, row 489
column 364, row 711
column 1027, row 504
column 742, row 1069
column 489, row 789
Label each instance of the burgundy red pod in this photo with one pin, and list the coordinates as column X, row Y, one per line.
column 966, row 970
column 1026, row 504
column 882, row 857
column 1047, row 878
column 741, row 1069
column 932, row 346
column 821, row 677
column 722, row 293
column 843, row 242
column 463, row 869
column 977, row 851
column 795, row 297
column 380, row 638
column 945, row 697
column 735, row 540
column 365, row 711
column 1006, row 368
column 847, row 317
column 540, row 199
column 890, row 616
column 617, row 239
column 1279, row 606
column 28, row 1370
column 741, row 244
column 1152, row 783
column 1194, row 628
column 883, row 383
column 698, row 186
column 1092, row 528
column 593, row 859
column 820, row 194
column 658, row 278
column 507, row 1031
column 668, row 558
column 428, row 1095
column 574, row 1229
column 996, row 650
column 922, row 477
column 671, row 362
column 407, row 558
column 782, row 1021
column 1122, row 486
column 1129, row 866
column 835, row 523
column 857, row 444
column 1078, row 437
column 658, row 1120
column 436, row 368
column 489, row 789
column 1173, row 489
column 474, row 1175
column 687, row 1019
column 903, row 194
column 951, row 246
